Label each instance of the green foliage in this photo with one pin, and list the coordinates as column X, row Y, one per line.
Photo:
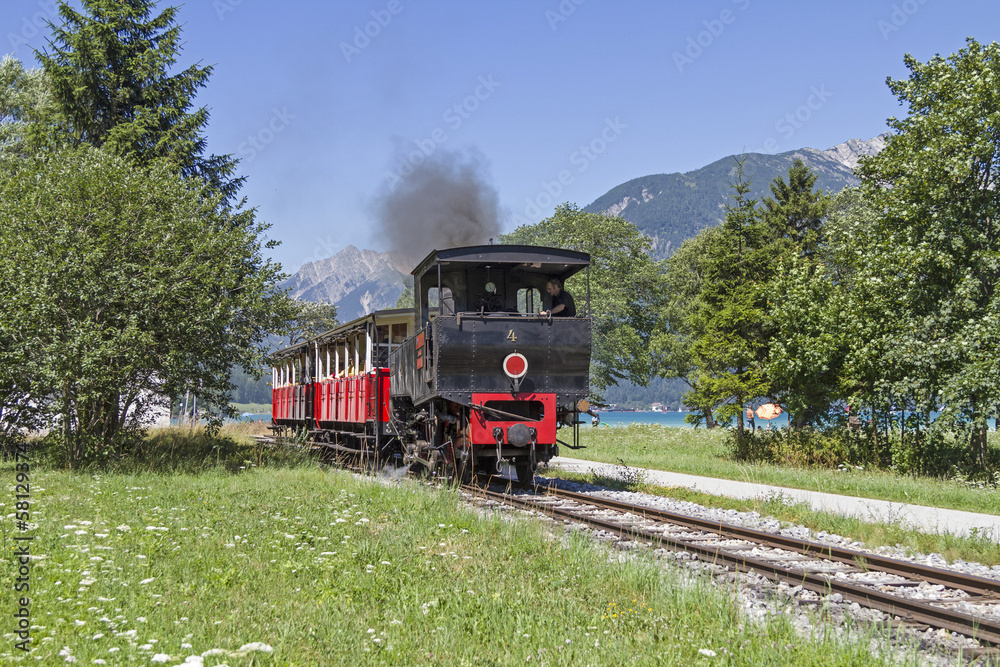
column 795, row 211
column 626, row 287
column 406, row 298
column 932, row 262
column 728, row 287
column 731, row 338
column 684, row 280
column 123, row 287
column 110, row 78
column 311, row 320
column 24, row 101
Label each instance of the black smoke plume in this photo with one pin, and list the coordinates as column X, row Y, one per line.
column 444, row 201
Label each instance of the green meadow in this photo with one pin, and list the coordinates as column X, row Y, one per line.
column 241, row 557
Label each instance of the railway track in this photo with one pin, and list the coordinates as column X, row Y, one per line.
column 964, row 604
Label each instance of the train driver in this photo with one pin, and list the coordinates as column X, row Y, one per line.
column 562, row 301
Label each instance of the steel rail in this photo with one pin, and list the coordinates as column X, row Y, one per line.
column 911, row 611
column 972, row 584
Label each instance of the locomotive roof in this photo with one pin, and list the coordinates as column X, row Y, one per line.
column 535, row 259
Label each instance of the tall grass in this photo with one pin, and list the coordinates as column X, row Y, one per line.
column 186, row 450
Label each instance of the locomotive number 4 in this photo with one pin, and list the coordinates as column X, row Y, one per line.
column 511, row 336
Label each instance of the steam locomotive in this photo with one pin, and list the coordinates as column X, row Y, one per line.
column 472, row 377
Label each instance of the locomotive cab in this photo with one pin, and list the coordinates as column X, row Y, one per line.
column 487, row 379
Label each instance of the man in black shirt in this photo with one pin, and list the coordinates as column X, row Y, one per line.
column 562, row 301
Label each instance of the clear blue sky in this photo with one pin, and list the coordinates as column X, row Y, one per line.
column 648, row 87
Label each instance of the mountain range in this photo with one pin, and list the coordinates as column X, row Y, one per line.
column 667, row 207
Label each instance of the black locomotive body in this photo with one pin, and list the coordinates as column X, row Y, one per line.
column 482, row 379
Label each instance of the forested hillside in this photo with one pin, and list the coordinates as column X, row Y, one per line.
column 673, row 207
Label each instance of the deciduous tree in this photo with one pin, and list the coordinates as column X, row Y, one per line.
column 935, row 254
column 312, row 318
column 626, row 287
column 124, row 286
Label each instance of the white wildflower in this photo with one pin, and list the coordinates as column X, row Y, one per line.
column 147, row 581
column 123, row 528
column 257, row 646
column 160, row 657
column 707, row 652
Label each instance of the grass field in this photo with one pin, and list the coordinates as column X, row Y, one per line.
column 287, row 564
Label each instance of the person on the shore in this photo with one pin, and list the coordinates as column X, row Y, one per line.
column 750, row 418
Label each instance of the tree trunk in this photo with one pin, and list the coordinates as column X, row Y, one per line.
column 978, row 442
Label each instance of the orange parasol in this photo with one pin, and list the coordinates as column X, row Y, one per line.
column 769, row 411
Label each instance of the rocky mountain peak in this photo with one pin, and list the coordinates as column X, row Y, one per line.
column 358, row 281
column 849, row 152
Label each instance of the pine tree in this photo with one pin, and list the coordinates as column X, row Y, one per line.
column 109, row 73
column 732, row 344
column 796, row 212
